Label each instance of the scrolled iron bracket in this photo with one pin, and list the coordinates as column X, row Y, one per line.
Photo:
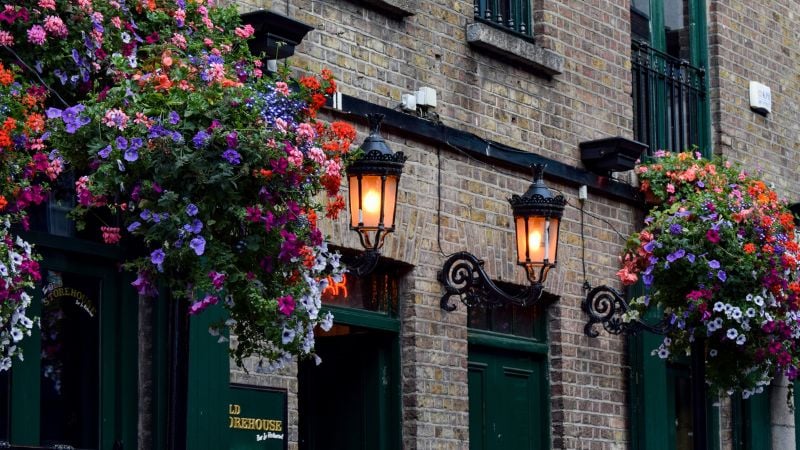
column 365, row 263
column 606, row 305
column 463, row 275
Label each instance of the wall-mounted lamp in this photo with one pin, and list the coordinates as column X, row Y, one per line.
column 537, row 217
column 373, row 180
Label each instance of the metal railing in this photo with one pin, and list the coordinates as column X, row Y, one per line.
column 669, row 100
column 513, row 15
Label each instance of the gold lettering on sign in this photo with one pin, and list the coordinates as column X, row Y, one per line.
column 81, row 300
column 252, row 423
column 234, row 410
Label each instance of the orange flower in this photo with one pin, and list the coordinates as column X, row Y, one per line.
column 749, row 248
column 6, row 76
column 35, row 123
column 3, row 203
column 343, row 130
column 310, row 83
column 5, row 139
column 162, row 82
column 9, row 125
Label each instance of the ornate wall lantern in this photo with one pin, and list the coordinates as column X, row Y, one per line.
column 373, row 180
column 537, row 218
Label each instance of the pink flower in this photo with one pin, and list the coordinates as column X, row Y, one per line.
column 55, row 26
column 179, row 41
column 317, row 155
column 286, row 305
column 110, row 234
column 217, row 279
column 282, row 88
column 47, row 4
column 116, row 118
column 305, row 132
column 712, row 236
column 37, row 35
column 200, row 306
column 671, row 188
column 6, row 39
column 245, row 31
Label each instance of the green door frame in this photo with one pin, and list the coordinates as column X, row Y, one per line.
column 118, row 407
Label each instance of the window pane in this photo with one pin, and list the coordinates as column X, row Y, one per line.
column 643, row 6
column 377, row 291
column 70, row 361
column 676, row 28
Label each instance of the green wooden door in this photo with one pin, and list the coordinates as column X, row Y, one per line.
column 506, row 398
column 77, row 384
column 349, row 402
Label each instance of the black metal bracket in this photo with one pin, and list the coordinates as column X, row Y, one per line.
column 463, row 275
column 606, row 305
column 365, row 263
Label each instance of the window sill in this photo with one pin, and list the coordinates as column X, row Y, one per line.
column 514, row 49
column 397, row 9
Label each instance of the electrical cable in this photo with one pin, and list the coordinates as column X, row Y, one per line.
column 36, row 74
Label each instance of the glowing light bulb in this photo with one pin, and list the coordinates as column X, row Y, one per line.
column 534, row 240
column 372, row 202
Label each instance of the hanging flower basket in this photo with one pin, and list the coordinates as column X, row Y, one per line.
column 218, row 170
column 718, row 257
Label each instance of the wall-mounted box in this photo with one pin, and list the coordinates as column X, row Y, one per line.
column 760, row 98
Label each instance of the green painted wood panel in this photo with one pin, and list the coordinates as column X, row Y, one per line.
column 208, row 384
column 508, row 402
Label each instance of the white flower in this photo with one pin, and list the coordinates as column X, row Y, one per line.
column 3, row 270
column 732, row 333
column 126, row 38
column 15, row 259
column 317, row 360
column 288, row 335
column 736, row 313
column 741, row 339
column 16, row 334
column 728, row 308
column 712, row 353
column 327, row 322
column 719, row 307
column 750, row 312
column 758, row 300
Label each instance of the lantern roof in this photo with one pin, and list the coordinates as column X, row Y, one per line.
column 539, row 199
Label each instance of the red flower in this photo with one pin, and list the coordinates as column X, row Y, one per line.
column 713, row 236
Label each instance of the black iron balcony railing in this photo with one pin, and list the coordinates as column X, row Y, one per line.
column 669, row 99
column 513, row 15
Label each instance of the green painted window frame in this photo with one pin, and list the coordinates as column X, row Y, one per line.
column 518, row 18
column 698, row 63
column 118, row 411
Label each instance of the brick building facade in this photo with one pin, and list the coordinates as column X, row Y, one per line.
column 570, row 81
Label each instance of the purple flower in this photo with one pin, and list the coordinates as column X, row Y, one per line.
column 195, row 227
column 647, row 279
column 232, row 139
column 105, row 152
column 144, row 286
column 174, row 118
column 73, row 119
column 198, row 244
column 133, row 226
column 157, row 257
column 201, row 139
column 53, row 113
column 136, row 143
column 131, row 154
column 290, row 247
column 714, row 264
column 676, row 255
column 122, row 143
column 650, row 246
column 690, row 257
column 232, row 156
column 722, row 275
column 191, row 210
column 700, row 184
column 146, row 214
column 675, row 228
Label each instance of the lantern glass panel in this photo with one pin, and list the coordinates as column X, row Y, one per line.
column 553, row 233
column 531, row 240
column 367, row 214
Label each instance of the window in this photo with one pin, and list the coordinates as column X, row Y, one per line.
column 508, row 390
column 77, row 384
column 512, row 15
column 751, row 428
column 670, row 91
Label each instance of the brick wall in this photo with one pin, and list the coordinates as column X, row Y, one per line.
column 757, row 41
column 377, row 58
